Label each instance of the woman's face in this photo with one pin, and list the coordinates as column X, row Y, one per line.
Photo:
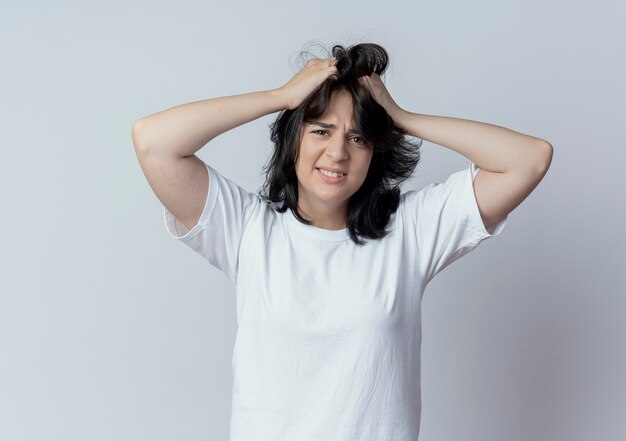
column 329, row 143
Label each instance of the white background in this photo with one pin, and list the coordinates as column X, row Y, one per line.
column 112, row 330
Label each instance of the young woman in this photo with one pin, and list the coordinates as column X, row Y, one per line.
column 330, row 261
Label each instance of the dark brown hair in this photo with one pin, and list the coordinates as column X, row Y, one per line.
column 394, row 157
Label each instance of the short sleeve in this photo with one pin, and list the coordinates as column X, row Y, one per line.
column 447, row 221
column 217, row 235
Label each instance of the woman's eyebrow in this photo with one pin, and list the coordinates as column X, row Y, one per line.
column 329, row 126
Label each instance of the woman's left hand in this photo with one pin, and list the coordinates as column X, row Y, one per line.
column 379, row 92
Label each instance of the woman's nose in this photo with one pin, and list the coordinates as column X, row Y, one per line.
column 337, row 148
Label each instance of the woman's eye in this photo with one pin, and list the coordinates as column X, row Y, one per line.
column 323, row 132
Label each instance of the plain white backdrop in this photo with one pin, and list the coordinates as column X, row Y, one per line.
column 112, row 330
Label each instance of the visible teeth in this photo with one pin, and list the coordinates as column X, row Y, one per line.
column 332, row 174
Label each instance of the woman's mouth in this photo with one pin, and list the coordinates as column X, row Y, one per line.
column 330, row 177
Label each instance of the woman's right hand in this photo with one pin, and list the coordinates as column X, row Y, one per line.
column 307, row 80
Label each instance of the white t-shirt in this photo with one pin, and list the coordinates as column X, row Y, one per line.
column 329, row 333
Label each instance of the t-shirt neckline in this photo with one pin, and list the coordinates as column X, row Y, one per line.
column 316, row 232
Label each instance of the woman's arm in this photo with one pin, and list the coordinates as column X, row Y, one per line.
column 493, row 148
column 185, row 129
column 511, row 164
column 166, row 142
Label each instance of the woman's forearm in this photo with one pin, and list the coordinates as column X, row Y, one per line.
column 185, row 129
column 491, row 147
